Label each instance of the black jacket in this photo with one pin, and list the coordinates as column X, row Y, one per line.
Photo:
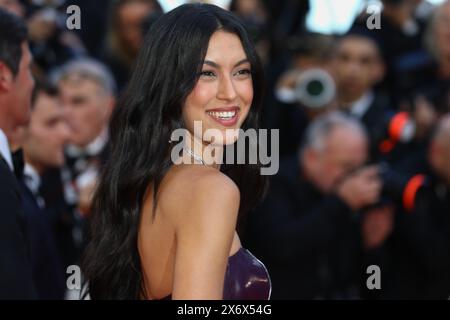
column 15, row 266
column 308, row 241
column 415, row 261
column 48, row 272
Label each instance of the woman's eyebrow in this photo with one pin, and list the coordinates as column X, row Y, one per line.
column 216, row 65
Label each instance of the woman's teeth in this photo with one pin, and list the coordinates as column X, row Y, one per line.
column 223, row 115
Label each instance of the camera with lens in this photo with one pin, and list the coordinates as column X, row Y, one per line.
column 393, row 183
column 312, row 88
column 397, row 188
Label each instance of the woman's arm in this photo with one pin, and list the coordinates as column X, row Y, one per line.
column 204, row 227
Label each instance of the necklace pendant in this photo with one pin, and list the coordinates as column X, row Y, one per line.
column 195, row 156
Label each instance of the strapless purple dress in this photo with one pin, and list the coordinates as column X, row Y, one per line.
column 246, row 278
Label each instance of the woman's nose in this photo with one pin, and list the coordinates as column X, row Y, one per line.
column 226, row 90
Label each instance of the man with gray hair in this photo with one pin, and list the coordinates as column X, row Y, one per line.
column 87, row 93
column 305, row 230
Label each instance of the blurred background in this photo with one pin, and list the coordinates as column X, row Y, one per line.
column 360, row 93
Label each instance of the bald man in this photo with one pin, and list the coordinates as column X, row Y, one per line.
column 305, row 231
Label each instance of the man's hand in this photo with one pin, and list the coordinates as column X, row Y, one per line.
column 361, row 189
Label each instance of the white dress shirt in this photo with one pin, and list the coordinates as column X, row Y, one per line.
column 5, row 152
column 33, row 182
column 360, row 106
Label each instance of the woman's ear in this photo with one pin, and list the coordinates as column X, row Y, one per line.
column 6, row 77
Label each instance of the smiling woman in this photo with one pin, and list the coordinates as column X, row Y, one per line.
column 224, row 92
column 165, row 230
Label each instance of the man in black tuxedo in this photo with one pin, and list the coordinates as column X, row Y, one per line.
column 358, row 69
column 42, row 142
column 16, row 85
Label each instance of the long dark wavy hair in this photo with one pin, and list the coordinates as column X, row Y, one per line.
column 166, row 71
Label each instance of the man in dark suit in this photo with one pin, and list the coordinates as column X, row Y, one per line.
column 86, row 89
column 415, row 259
column 306, row 229
column 358, row 68
column 42, row 142
column 16, row 84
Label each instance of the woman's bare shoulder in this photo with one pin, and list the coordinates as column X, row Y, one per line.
column 199, row 192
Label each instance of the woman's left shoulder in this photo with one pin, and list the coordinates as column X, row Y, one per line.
column 195, row 180
column 208, row 192
column 214, row 190
column 215, row 182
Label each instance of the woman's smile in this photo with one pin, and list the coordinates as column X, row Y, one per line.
column 226, row 116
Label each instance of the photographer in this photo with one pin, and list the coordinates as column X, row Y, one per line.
column 306, row 230
column 415, row 260
column 302, row 92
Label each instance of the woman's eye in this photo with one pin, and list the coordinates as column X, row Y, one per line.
column 244, row 72
column 207, row 74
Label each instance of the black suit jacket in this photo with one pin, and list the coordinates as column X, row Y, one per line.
column 15, row 266
column 415, row 260
column 48, row 273
column 308, row 241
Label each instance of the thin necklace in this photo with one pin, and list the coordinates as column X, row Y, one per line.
column 196, row 157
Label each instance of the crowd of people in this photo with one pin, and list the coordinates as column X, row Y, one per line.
column 364, row 123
